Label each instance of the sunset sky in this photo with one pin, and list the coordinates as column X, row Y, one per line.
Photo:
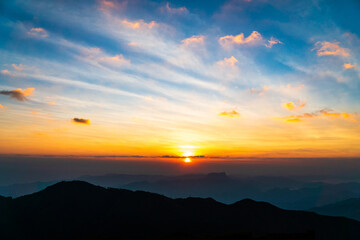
column 238, row 78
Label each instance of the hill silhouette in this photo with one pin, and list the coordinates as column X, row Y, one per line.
column 283, row 192
column 349, row 208
column 79, row 210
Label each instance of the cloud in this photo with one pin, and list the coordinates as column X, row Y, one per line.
column 293, row 119
column 254, row 38
column 228, row 61
column 132, row 44
column 139, row 24
column 293, row 106
column 81, row 121
column 117, row 59
column 38, row 32
column 18, row 67
column 324, row 113
column 108, row 3
column 231, row 114
column 97, row 56
column 5, row 72
column 180, row 10
column 18, row 94
column 9, row 73
column 330, row 48
column 349, row 66
column 199, row 39
column 260, row 91
column 293, row 87
column 273, row 41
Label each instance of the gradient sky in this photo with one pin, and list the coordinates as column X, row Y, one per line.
column 232, row 78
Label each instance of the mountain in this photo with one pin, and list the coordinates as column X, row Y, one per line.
column 311, row 195
column 349, row 208
column 79, row 210
column 280, row 191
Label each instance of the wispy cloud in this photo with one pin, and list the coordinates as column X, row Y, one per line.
column 229, row 40
column 324, row 113
column 5, row 72
column 118, row 60
column 18, row 67
column 231, row 61
column 38, row 32
column 273, row 41
column 199, row 39
column 260, row 91
column 139, row 24
column 107, row 3
column 81, row 121
column 180, row 10
column 18, row 94
column 293, row 106
column 330, row 48
column 231, row 114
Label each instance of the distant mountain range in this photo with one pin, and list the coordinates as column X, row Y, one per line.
column 349, row 208
column 79, row 210
column 282, row 192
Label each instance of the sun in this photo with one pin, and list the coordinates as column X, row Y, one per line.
column 187, row 160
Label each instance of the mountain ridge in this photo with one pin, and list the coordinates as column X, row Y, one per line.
column 80, row 210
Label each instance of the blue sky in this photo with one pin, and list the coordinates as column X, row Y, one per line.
column 220, row 77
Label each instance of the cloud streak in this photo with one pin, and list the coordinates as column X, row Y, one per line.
column 324, row 113
column 139, row 24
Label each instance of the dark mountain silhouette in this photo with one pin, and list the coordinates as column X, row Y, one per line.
column 282, row 192
column 349, row 208
column 79, row 210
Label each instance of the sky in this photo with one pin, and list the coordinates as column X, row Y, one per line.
column 237, row 78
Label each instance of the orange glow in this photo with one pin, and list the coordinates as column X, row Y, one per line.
column 187, row 154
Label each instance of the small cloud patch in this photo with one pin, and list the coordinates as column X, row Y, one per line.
column 38, row 32
column 293, row 106
column 330, row 49
column 254, row 38
column 81, row 121
column 231, row 114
